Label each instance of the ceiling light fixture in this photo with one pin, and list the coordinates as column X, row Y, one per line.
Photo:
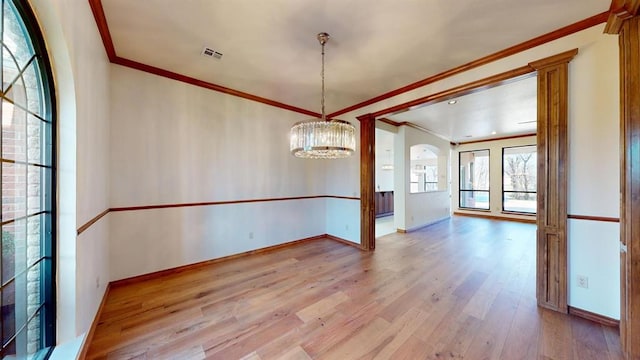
column 323, row 138
column 451, row 102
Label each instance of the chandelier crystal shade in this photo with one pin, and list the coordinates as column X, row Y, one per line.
column 322, row 138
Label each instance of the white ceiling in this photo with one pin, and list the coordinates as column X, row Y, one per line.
column 270, row 47
column 508, row 109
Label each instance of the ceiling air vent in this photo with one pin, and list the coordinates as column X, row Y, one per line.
column 209, row 52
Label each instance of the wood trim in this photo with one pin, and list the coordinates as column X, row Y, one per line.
column 408, row 124
column 495, row 139
column 88, row 224
column 229, row 202
column 103, row 28
column 537, row 41
column 341, row 197
column 188, row 267
column 420, row 227
column 553, row 155
column 367, row 181
column 600, row 319
column 84, row 349
column 465, row 89
column 629, row 43
column 179, row 269
column 391, row 122
column 211, row 86
column 105, row 34
column 555, row 60
column 344, row 241
column 619, row 12
column 593, row 218
column 495, row 217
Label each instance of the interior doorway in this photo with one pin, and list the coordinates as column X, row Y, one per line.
column 552, row 104
column 384, row 183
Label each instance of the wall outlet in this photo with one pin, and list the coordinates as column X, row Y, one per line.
column 251, row 235
column 346, row 227
column 97, row 282
column 583, row 281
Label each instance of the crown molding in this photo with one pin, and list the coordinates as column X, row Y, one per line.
column 103, row 28
column 537, row 41
column 619, row 12
column 105, row 34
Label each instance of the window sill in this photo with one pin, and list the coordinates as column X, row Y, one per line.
column 518, row 213
column 472, row 209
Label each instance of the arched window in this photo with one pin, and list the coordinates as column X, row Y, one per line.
column 28, row 182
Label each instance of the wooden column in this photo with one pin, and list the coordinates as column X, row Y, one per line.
column 552, row 180
column 367, row 181
column 623, row 20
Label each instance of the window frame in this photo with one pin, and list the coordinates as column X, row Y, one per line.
column 48, row 186
column 487, row 191
column 513, row 191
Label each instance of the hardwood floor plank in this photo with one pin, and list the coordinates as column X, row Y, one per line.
column 322, row 307
column 412, row 349
column 462, row 288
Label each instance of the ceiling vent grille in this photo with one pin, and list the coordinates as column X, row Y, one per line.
column 209, row 52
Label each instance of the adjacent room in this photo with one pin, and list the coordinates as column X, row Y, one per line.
column 320, row 179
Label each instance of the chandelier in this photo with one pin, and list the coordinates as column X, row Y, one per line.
column 322, row 138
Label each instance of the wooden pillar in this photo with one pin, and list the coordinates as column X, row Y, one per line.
column 630, row 186
column 623, row 20
column 367, row 181
column 553, row 92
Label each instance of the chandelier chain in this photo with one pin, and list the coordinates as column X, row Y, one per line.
column 322, row 75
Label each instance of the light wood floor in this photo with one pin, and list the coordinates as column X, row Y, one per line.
column 463, row 288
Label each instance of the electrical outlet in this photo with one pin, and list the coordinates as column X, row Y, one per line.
column 583, row 281
column 97, row 282
column 346, row 227
column 251, row 235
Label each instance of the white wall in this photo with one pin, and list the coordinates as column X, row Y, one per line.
column 495, row 174
column 151, row 240
column 342, row 178
column 593, row 151
column 343, row 219
column 594, row 173
column 384, row 155
column 415, row 210
column 81, row 73
column 174, row 143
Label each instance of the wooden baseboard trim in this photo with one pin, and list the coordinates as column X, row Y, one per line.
column 87, row 340
column 179, row 269
column 344, row 241
column 494, row 217
column 600, row 319
column 406, row 231
column 84, row 349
